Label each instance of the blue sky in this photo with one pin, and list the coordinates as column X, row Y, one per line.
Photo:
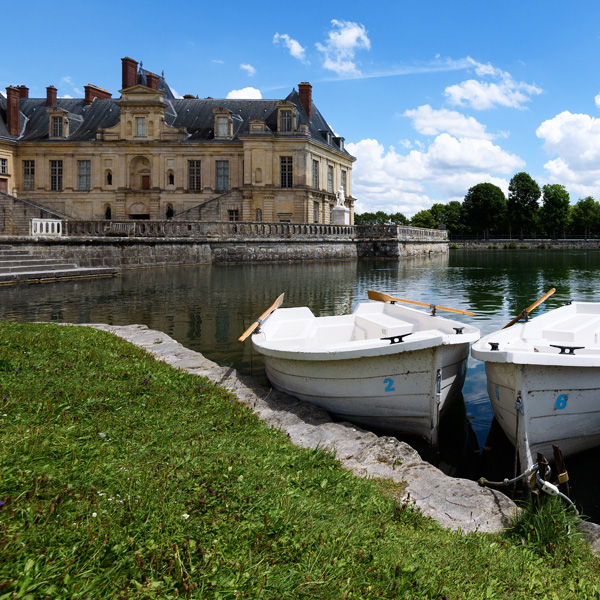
column 432, row 97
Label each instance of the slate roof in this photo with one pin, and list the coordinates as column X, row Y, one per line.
column 196, row 115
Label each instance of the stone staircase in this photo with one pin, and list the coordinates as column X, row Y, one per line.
column 21, row 266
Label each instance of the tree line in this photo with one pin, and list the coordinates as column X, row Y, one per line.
column 529, row 211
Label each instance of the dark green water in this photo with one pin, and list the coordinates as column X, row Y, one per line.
column 206, row 308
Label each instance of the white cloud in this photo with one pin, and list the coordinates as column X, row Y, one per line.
column 575, row 141
column 248, row 68
column 295, row 48
column 343, row 41
column 247, row 93
column 597, row 100
column 428, row 121
column 444, row 171
column 481, row 95
column 68, row 81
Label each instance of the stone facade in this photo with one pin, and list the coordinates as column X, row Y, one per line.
column 149, row 155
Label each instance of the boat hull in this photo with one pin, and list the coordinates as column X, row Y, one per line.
column 398, row 393
column 561, row 405
column 543, row 380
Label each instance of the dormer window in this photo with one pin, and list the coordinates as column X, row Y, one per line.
column 140, row 127
column 223, row 123
column 58, row 124
column 286, row 117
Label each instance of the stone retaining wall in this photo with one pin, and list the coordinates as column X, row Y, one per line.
column 128, row 253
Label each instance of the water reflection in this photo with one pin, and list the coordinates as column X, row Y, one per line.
column 206, row 307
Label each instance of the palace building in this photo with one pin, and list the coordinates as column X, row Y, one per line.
column 150, row 155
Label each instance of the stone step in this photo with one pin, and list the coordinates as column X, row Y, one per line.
column 35, row 276
column 29, row 261
column 37, row 267
column 11, row 252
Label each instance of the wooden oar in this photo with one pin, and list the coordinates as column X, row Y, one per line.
column 262, row 317
column 528, row 310
column 373, row 295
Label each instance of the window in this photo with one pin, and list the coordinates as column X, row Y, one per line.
column 194, row 179
column 57, row 127
column 331, row 213
column 234, row 214
column 222, row 175
column 29, row 174
column 84, row 172
column 286, row 120
column 140, row 126
column 286, row 172
column 315, row 212
column 4, row 166
column 56, row 175
column 330, row 179
column 222, row 127
column 315, row 182
column 344, row 181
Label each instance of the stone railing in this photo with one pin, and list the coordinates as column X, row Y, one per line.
column 237, row 230
column 46, row 227
column 198, row 229
column 400, row 232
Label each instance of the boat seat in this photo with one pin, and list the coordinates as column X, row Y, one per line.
column 580, row 329
column 380, row 325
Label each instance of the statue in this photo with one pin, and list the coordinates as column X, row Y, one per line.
column 340, row 197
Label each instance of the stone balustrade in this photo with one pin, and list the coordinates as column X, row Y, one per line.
column 250, row 230
column 46, row 228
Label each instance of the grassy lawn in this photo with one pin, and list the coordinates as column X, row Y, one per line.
column 121, row 477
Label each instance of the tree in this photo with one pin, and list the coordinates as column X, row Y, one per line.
column 398, row 219
column 380, row 218
column 585, row 216
column 554, row 213
column 449, row 216
column 484, row 208
column 522, row 205
column 423, row 218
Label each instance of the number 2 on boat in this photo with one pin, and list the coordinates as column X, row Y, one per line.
column 389, row 384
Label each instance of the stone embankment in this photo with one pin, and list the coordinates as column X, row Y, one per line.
column 459, row 504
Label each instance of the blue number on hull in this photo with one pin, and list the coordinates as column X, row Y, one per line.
column 561, row 401
column 389, row 385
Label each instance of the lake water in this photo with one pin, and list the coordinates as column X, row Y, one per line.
column 207, row 307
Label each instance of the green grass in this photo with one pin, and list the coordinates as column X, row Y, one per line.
column 122, row 477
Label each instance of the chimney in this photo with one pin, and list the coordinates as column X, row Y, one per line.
column 152, row 81
column 92, row 92
column 23, row 91
column 129, row 69
column 12, row 110
column 305, row 93
column 50, row 95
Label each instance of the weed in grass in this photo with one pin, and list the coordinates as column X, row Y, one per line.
column 549, row 527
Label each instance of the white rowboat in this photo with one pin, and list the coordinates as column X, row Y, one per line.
column 385, row 366
column 543, row 379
